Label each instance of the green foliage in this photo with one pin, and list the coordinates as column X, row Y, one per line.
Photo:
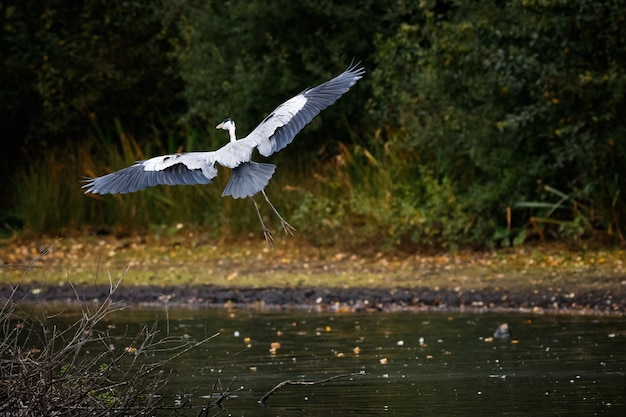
column 241, row 59
column 467, row 110
column 578, row 221
column 79, row 62
column 68, row 66
column 378, row 205
column 499, row 98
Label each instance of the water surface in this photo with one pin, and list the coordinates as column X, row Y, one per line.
column 410, row 364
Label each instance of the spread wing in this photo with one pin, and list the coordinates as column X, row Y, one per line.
column 176, row 169
column 271, row 135
column 283, row 124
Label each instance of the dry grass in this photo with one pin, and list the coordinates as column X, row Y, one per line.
column 189, row 258
column 84, row 368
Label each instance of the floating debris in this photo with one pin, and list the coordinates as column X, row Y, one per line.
column 502, row 332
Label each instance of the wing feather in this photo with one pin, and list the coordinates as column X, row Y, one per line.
column 177, row 169
column 283, row 124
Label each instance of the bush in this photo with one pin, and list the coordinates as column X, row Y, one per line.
column 83, row 369
column 503, row 98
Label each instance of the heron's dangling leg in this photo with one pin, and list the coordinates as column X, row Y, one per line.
column 289, row 229
column 266, row 232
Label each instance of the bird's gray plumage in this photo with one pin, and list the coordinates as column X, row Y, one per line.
column 248, row 178
column 136, row 177
column 274, row 133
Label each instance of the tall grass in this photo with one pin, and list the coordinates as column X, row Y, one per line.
column 55, row 181
column 380, row 196
column 377, row 195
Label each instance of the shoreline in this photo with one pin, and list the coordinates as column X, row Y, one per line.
column 416, row 300
column 154, row 271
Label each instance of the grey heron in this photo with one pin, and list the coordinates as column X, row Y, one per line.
column 248, row 178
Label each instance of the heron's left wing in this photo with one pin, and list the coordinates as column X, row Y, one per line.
column 283, row 124
column 175, row 169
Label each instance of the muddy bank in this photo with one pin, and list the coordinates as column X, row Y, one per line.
column 194, row 272
column 599, row 302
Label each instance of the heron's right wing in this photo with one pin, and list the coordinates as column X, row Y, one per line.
column 177, row 169
column 283, row 124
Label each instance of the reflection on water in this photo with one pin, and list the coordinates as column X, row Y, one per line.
column 413, row 364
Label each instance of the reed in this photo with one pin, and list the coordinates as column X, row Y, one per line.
column 54, row 182
column 372, row 193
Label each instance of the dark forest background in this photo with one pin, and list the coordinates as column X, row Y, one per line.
column 479, row 123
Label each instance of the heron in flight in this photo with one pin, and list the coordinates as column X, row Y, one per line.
column 247, row 177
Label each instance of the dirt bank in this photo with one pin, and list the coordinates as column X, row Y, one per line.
column 193, row 272
column 341, row 299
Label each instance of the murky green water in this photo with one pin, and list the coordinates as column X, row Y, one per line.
column 411, row 364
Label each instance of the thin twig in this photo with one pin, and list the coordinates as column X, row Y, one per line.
column 41, row 255
column 264, row 398
column 30, row 266
column 227, row 393
column 217, row 386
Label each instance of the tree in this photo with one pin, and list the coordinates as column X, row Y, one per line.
column 505, row 97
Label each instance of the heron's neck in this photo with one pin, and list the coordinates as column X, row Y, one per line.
column 231, row 133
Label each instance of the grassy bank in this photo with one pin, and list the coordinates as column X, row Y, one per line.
column 189, row 258
column 357, row 197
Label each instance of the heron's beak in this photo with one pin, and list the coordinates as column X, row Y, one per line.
column 220, row 126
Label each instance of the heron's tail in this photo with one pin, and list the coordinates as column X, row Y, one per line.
column 248, row 179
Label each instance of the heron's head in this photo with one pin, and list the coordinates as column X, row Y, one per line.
column 227, row 124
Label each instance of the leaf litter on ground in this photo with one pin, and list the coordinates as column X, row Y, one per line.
column 293, row 263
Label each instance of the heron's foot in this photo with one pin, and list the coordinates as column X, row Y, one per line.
column 289, row 229
column 266, row 232
column 268, row 236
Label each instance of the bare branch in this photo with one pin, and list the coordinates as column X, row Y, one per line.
column 264, row 398
column 56, row 376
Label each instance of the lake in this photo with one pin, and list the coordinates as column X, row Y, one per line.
column 406, row 364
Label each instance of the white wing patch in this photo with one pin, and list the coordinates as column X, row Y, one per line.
column 289, row 108
column 278, row 118
column 193, row 161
